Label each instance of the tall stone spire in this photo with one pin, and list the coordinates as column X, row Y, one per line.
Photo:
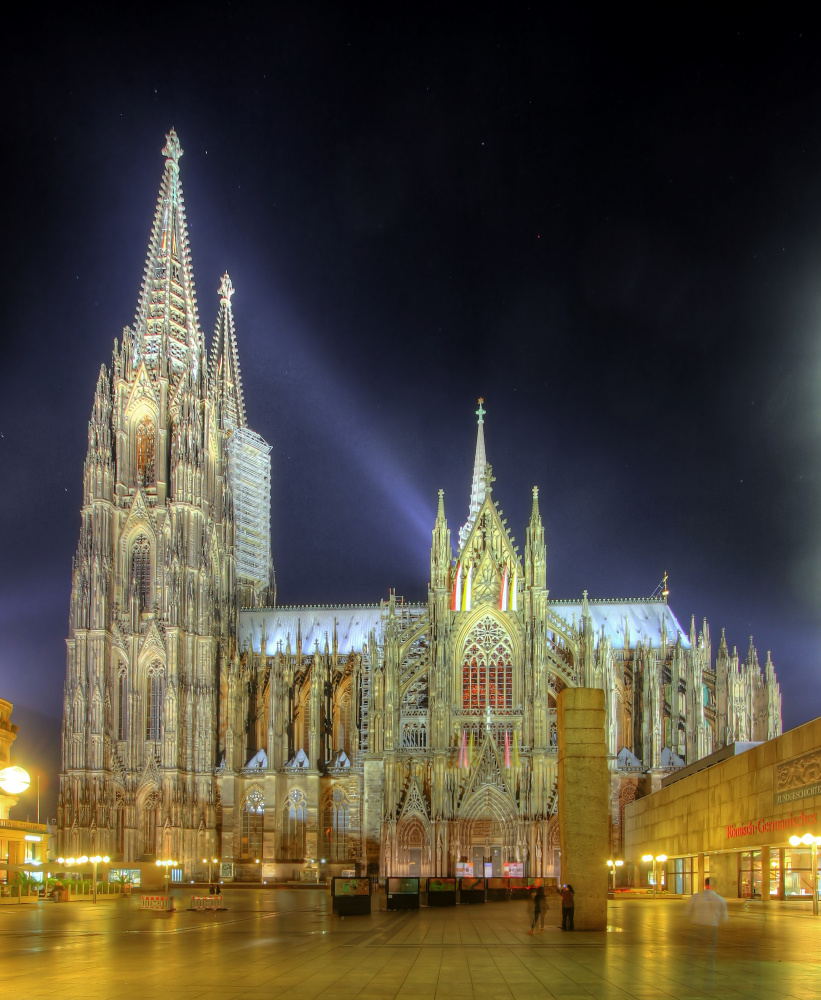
column 478, row 489
column 223, row 365
column 166, row 328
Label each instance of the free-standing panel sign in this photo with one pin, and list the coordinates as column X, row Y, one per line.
column 351, row 896
column 402, row 893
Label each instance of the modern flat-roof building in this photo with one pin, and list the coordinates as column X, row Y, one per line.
column 731, row 816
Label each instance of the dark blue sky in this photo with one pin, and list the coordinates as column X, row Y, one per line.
column 608, row 228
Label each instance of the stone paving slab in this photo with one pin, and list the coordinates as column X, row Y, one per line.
column 286, row 944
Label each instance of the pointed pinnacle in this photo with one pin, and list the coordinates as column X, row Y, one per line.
column 172, row 149
column 440, row 513
column 535, row 511
column 226, row 288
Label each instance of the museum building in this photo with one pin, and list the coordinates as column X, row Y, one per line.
column 202, row 720
column 746, row 816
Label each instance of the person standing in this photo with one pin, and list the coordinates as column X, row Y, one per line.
column 706, row 911
column 568, row 906
column 539, row 907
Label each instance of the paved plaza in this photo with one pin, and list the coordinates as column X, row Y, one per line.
column 285, row 943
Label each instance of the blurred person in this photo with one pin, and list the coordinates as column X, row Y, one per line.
column 539, row 908
column 706, row 911
column 568, row 907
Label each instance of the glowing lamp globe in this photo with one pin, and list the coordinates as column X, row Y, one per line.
column 14, row 780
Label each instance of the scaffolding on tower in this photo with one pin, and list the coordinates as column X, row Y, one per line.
column 249, row 464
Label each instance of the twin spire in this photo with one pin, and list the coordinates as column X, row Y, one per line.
column 167, row 335
column 223, row 365
column 166, row 329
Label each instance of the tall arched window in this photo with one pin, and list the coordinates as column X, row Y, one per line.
column 293, row 825
column 335, row 826
column 122, row 706
column 487, row 669
column 119, row 828
column 145, row 452
column 149, row 824
column 141, row 570
column 251, row 828
column 154, row 702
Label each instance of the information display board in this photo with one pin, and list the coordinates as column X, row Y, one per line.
column 498, row 889
column 351, row 896
column 402, row 893
column 471, row 890
column 522, row 888
column 441, row 892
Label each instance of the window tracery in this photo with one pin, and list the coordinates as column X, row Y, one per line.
column 154, row 702
column 335, row 825
column 141, row 571
column 145, row 452
column 487, row 669
column 253, row 815
column 293, row 826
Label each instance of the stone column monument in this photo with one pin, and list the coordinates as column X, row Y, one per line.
column 583, row 803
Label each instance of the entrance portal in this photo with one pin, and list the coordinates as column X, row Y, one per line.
column 487, row 861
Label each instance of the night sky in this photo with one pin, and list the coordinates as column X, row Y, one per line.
column 608, row 228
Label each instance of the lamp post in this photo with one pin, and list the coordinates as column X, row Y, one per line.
column 808, row 840
column 209, row 862
column 613, row 865
column 658, row 859
column 167, row 864
column 81, row 862
column 96, row 860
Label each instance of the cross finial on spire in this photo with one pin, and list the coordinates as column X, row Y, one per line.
column 226, row 288
column 480, row 413
column 172, row 149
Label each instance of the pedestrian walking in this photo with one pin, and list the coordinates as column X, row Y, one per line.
column 568, row 906
column 706, row 912
column 539, row 908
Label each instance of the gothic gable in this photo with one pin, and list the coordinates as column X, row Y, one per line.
column 142, row 393
column 489, row 564
column 414, row 802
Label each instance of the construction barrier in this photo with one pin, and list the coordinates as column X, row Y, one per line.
column 206, row 903
column 155, row 903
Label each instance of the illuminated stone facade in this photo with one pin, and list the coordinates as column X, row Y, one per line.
column 404, row 737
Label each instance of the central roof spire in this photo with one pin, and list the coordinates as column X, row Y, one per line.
column 166, row 328
column 478, row 489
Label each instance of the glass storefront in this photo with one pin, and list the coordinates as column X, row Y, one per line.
column 797, row 874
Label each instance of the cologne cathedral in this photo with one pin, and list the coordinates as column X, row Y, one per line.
column 202, row 720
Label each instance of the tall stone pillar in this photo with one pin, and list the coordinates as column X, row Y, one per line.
column 584, row 788
column 699, row 886
column 782, row 873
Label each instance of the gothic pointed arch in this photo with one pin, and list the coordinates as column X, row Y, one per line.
column 487, row 678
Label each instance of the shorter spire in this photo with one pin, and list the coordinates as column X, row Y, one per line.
column 534, row 512
column 440, row 512
column 223, row 365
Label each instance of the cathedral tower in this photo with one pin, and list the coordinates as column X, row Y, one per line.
column 153, row 616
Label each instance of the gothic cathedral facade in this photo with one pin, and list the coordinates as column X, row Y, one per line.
column 203, row 720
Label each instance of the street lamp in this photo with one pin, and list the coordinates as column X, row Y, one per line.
column 167, row 864
column 81, row 862
column 14, row 780
column 660, row 859
column 808, row 840
column 209, row 862
column 613, row 865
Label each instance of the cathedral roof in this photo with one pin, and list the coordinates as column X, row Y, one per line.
column 354, row 623
column 639, row 619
